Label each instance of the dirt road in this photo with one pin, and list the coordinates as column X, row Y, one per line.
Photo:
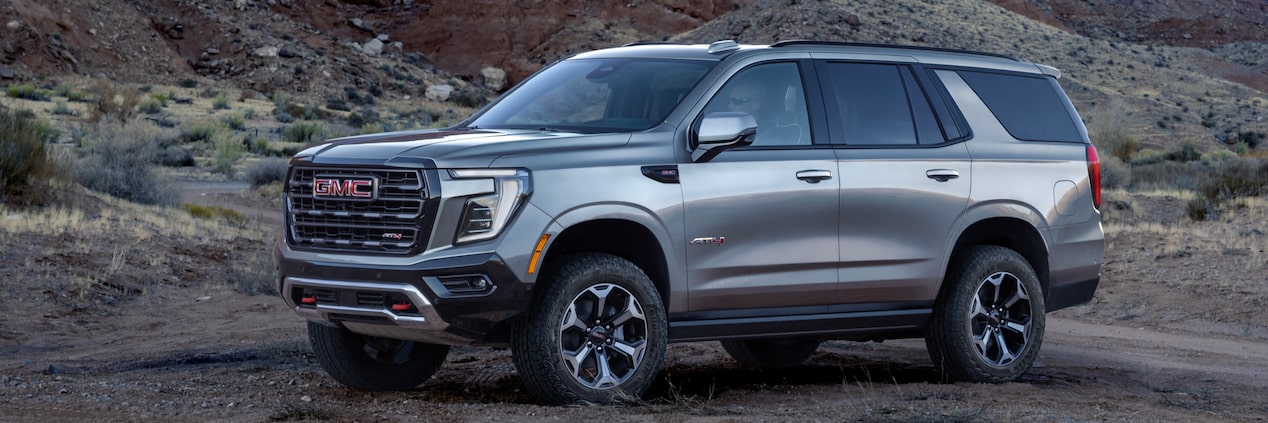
column 188, row 347
column 245, row 358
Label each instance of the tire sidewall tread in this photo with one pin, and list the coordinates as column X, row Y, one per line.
column 535, row 339
column 948, row 334
column 341, row 352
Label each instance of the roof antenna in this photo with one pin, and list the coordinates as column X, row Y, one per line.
column 723, row 46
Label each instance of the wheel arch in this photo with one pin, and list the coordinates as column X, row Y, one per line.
column 1014, row 233
column 621, row 237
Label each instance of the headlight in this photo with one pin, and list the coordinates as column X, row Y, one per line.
column 484, row 216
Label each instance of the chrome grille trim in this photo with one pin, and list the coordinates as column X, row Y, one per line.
column 391, row 223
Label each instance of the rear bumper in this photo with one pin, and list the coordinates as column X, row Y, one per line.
column 1073, row 294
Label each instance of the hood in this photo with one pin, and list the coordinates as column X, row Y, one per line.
column 451, row 148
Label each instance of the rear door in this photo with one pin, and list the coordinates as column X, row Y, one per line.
column 905, row 177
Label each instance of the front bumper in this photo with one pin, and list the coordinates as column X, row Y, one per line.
column 454, row 301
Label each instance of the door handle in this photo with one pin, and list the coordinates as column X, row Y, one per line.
column 814, row 176
column 942, row 175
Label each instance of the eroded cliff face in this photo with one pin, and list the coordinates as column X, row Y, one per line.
column 463, row 37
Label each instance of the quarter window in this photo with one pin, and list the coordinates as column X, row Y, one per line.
column 1030, row 108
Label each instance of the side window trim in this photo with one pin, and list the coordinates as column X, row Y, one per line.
column 954, row 126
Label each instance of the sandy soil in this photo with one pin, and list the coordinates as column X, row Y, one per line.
column 210, row 352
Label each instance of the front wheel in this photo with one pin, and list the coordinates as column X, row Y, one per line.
column 596, row 334
column 988, row 323
column 372, row 363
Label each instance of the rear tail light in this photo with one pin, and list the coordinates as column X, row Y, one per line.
column 1094, row 174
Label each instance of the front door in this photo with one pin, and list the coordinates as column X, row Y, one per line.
column 762, row 220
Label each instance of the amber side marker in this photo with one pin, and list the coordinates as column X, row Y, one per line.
column 537, row 254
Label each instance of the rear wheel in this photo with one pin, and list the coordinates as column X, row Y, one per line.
column 989, row 321
column 372, row 363
column 596, row 334
column 771, row 353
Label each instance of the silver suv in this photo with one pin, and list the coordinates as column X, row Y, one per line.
column 768, row 197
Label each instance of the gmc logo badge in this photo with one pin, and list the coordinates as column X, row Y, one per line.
column 358, row 188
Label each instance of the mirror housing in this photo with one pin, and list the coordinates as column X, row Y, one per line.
column 720, row 131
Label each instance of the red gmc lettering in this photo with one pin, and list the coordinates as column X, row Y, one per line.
column 343, row 188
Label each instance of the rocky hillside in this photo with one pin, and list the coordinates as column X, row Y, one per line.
column 1170, row 71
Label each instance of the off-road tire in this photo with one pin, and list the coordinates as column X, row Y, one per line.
column 771, row 353
column 353, row 359
column 1009, row 322
column 629, row 338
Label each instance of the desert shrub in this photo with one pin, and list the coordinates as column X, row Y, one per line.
column 1237, row 178
column 234, row 122
column 266, row 171
column 256, row 144
column 150, row 106
column 306, row 112
column 28, row 92
column 175, row 156
column 1108, row 129
column 363, row 117
column 1115, row 173
column 280, row 101
column 163, row 98
column 1226, row 182
column 468, row 97
column 69, row 92
column 284, row 117
column 112, row 103
column 199, row 211
column 1251, row 138
column 252, row 274
column 1146, row 156
column 228, row 152
column 1218, row 156
column 221, row 102
column 373, row 128
column 202, row 130
column 60, row 108
column 337, row 104
column 27, row 169
column 1166, row 175
column 304, row 132
column 120, row 162
column 249, row 113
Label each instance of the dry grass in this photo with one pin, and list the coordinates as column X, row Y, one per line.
column 106, row 250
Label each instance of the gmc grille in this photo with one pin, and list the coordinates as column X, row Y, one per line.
column 393, row 221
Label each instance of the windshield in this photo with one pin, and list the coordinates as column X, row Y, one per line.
column 597, row 95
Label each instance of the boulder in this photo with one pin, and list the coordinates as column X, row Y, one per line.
column 266, row 51
column 494, row 78
column 439, row 92
column 374, row 47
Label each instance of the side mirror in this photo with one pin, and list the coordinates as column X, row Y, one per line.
column 723, row 130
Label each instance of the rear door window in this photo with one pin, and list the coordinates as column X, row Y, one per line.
column 873, row 104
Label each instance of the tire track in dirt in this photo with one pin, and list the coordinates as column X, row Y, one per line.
column 1070, row 343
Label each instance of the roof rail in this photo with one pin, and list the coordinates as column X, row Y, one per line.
column 898, row 46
